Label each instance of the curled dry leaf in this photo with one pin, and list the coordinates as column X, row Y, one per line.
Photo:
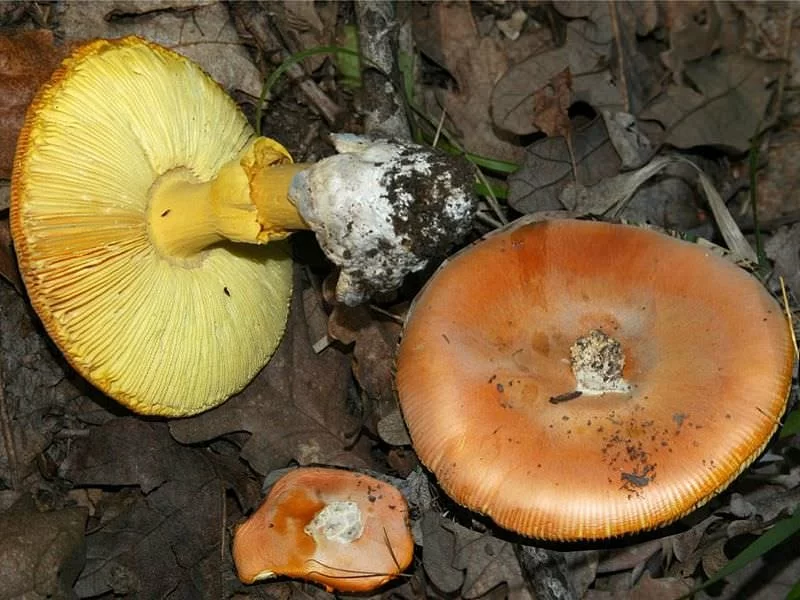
column 551, row 106
column 631, row 143
column 375, row 339
column 27, row 59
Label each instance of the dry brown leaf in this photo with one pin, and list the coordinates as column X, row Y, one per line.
column 647, row 588
column 375, row 338
column 697, row 28
column 665, row 588
column 637, row 75
column 37, row 390
column 683, row 545
column 476, row 563
column 629, row 557
column 694, row 27
column 166, row 540
column 476, row 63
column 585, row 53
column 27, row 59
column 306, row 24
column 725, row 108
column 551, row 106
column 779, row 181
column 784, row 249
column 295, row 408
column 547, row 168
column 203, row 32
column 41, row 554
column 8, row 266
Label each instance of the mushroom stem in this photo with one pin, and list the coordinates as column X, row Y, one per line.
column 246, row 202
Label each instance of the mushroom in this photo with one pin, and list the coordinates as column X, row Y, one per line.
column 141, row 203
column 576, row 380
column 342, row 529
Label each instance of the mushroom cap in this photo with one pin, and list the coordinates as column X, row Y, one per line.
column 277, row 538
column 160, row 335
column 708, row 357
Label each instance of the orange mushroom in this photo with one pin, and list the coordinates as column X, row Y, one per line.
column 576, row 380
column 344, row 530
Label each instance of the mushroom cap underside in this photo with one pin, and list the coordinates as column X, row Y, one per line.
column 484, row 377
column 162, row 336
column 275, row 539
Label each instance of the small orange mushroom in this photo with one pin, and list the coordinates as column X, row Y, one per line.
column 344, row 530
column 576, row 380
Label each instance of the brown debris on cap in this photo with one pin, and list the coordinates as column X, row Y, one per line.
column 689, row 377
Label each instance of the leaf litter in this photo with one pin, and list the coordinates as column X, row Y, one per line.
column 600, row 105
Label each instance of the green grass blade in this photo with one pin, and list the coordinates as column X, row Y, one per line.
column 781, row 531
column 791, row 424
column 286, row 64
column 794, row 593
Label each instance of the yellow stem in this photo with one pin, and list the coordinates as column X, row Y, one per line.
column 246, row 202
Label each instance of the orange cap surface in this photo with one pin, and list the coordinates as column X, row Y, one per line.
column 485, row 377
column 342, row 529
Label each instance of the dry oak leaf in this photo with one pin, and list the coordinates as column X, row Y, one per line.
column 725, row 107
column 163, row 539
column 294, row 409
column 536, row 186
column 375, row 339
column 27, row 59
column 476, row 63
column 551, row 106
column 203, row 32
column 585, row 53
column 476, row 563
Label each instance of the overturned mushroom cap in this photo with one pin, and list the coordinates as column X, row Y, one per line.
column 344, row 530
column 577, row 380
column 163, row 333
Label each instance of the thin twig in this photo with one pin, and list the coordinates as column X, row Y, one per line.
column 787, row 48
column 491, row 199
column 439, row 127
column 623, row 80
column 493, row 223
column 546, row 572
column 789, row 316
column 250, row 18
column 383, row 101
